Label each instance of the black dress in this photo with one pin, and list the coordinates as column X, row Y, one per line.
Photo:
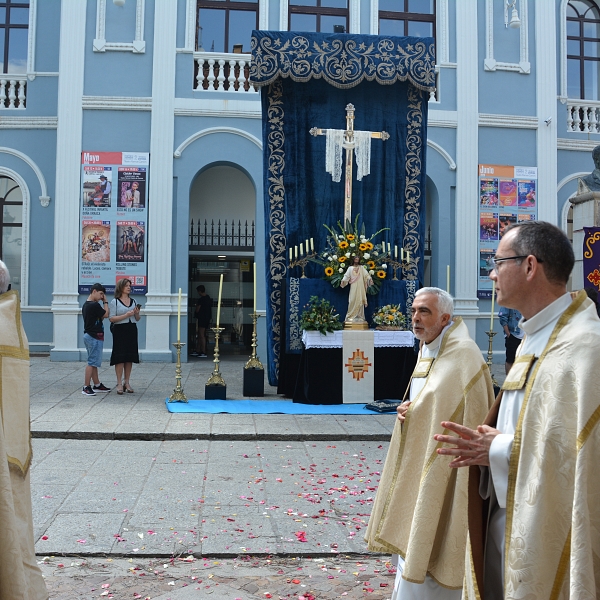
column 125, row 336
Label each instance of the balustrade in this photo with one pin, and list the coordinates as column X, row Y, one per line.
column 222, row 72
column 583, row 116
column 218, row 235
column 13, row 91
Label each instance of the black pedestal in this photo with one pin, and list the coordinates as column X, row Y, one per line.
column 215, row 392
column 254, row 382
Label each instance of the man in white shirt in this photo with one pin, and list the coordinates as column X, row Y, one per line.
column 535, row 534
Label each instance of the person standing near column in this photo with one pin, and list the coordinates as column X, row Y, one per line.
column 94, row 311
column 20, row 576
column 509, row 321
column 125, row 312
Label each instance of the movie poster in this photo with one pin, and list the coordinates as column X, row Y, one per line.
column 507, row 195
column 114, row 214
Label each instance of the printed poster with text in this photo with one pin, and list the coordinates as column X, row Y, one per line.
column 114, row 216
column 507, row 195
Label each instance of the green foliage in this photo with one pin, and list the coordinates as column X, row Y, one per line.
column 390, row 315
column 319, row 316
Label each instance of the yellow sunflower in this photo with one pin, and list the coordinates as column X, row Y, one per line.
column 362, row 247
column 369, row 245
column 343, row 244
column 350, row 236
column 371, row 264
column 381, row 274
column 329, row 271
column 342, row 259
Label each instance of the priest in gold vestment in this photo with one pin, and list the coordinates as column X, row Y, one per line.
column 20, row 576
column 534, row 488
column 420, row 511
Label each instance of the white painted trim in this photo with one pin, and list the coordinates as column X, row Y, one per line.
column 442, row 33
column 354, row 16
column 577, row 145
column 190, row 25
column 564, row 213
column 284, row 15
column 24, row 231
column 443, row 153
column 116, row 103
column 490, row 63
column 442, row 118
column 244, row 106
column 28, row 122
column 508, row 121
column 263, row 14
column 31, row 40
column 43, row 74
column 36, row 309
column 562, row 44
column 137, row 46
column 219, row 113
column 374, row 24
column 212, row 130
column 31, row 163
column 570, row 178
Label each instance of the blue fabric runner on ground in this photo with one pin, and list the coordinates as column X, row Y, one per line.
column 265, row 407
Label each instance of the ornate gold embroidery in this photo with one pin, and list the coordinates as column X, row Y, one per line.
column 423, row 367
column 517, row 376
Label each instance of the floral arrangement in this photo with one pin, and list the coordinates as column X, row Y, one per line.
column 341, row 249
column 390, row 315
column 319, row 316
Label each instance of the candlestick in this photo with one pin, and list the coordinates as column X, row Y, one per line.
column 178, row 394
column 492, row 314
column 219, row 301
column 254, row 362
column 254, row 287
column 395, row 252
column 312, row 247
column 448, row 278
column 179, row 316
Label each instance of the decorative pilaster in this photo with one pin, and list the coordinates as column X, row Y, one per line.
column 65, row 300
column 160, row 214
column 467, row 199
column 545, row 88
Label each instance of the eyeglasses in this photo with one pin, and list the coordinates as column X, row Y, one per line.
column 493, row 262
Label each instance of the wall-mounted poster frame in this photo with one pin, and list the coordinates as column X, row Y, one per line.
column 114, row 218
column 507, row 195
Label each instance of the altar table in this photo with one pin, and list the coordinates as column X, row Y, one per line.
column 319, row 378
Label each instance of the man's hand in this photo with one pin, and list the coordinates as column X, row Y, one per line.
column 401, row 410
column 472, row 447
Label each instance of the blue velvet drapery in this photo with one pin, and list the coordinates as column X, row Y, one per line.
column 300, row 197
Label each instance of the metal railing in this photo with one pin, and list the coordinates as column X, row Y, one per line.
column 222, row 235
column 221, row 72
column 583, row 116
column 13, row 91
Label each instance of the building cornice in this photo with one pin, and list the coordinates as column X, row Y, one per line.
column 577, row 145
column 116, row 103
column 508, row 121
column 28, row 122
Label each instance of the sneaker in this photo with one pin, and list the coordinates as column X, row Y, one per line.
column 202, row 356
column 88, row 391
column 101, row 388
column 193, row 353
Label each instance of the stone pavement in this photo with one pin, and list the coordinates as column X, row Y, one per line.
column 159, row 505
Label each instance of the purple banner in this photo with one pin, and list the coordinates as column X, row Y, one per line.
column 591, row 257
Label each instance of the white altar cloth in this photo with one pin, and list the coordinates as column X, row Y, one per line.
column 383, row 339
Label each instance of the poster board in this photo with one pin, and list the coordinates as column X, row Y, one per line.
column 114, row 218
column 507, row 195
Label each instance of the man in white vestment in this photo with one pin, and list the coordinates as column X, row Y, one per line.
column 534, row 501
column 359, row 279
column 420, row 511
column 20, row 576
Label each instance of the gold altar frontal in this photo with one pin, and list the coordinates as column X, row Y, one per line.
column 361, row 325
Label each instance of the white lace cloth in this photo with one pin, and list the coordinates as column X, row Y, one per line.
column 383, row 339
column 334, row 140
column 362, row 151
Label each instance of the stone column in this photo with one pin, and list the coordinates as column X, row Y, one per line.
column 159, row 300
column 467, row 134
column 65, row 298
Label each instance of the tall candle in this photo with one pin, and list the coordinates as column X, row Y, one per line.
column 408, row 256
column 402, row 254
column 383, row 246
column 179, row 316
column 312, row 245
column 493, row 298
column 395, row 252
column 296, row 252
column 219, row 300
column 290, row 254
column 389, row 248
column 306, row 245
column 448, row 278
column 255, row 287
column 301, row 248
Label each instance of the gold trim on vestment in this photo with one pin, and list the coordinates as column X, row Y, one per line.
column 563, row 567
column 517, row 376
column 423, row 367
column 516, row 448
column 585, row 433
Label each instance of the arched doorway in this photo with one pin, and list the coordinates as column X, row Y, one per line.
column 221, row 241
column 11, row 228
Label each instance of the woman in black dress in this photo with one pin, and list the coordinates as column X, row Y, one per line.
column 124, row 312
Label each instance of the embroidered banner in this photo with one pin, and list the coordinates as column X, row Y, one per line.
column 358, row 366
column 591, row 257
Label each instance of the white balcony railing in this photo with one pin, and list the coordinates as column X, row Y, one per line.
column 12, row 91
column 583, row 116
column 222, row 72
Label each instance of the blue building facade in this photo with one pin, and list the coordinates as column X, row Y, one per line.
column 169, row 78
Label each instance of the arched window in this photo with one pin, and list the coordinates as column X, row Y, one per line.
column 11, row 227
column 225, row 25
column 325, row 16
column 583, row 50
column 407, row 17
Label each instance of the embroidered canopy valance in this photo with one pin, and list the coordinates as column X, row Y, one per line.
column 343, row 60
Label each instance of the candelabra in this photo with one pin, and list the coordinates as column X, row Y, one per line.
column 178, row 395
column 402, row 264
column 302, row 262
column 216, row 388
column 490, row 354
column 254, row 362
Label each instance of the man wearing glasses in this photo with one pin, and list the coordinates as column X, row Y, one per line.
column 534, row 509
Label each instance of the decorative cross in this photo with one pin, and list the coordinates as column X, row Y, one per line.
column 349, row 144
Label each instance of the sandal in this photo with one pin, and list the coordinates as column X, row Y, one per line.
column 120, row 390
column 128, row 388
